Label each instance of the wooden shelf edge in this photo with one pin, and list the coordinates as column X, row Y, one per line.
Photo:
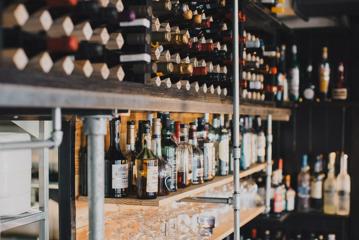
column 183, row 193
column 227, row 227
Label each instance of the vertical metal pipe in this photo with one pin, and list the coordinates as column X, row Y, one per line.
column 269, row 163
column 236, row 138
column 95, row 129
column 44, row 185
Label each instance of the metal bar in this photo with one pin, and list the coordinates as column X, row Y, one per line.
column 54, row 141
column 66, row 197
column 207, row 200
column 20, row 220
column 44, row 185
column 269, row 163
column 95, row 129
column 237, row 47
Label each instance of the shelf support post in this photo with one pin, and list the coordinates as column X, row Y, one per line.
column 95, row 129
column 237, row 48
column 269, row 164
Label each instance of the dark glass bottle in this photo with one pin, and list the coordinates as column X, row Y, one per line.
column 184, row 158
column 131, row 156
column 197, row 156
column 316, row 188
column 147, row 165
column 116, row 172
column 169, row 147
column 309, row 89
column 83, row 165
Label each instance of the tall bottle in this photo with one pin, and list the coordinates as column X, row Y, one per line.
column 289, row 195
column 197, row 157
column 309, row 89
column 324, row 75
column 169, row 153
column 207, row 148
column 131, row 156
column 164, row 170
column 330, row 187
column 294, row 76
column 223, row 149
column 343, row 187
column 282, row 77
column 340, row 91
column 261, row 141
column 116, row 164
column 304, row 186
column 246, row 144
column 184, row 158
column 316, row 187
column 83, row 165
column 147, row 165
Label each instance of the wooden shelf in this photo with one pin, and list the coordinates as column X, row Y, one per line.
column 227, row 227
column 48, row 91
column 186, row 192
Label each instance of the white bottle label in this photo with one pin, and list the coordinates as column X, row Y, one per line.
column 308, row 93
column 119, row 176
column 316, row 189
column 294, row 83
column 152, row 179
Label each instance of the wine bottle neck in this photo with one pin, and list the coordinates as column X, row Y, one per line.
column 115, row 134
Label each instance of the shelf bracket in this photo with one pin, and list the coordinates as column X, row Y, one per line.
column 53, row 142
column 217, row 200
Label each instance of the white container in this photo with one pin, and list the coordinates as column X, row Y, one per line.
column 15, row 176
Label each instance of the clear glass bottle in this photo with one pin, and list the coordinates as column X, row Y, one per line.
column 261, row 141
column 290, row 195
column 164, row 170
column 330, row 187
column 324, row 75
column 246, row 144
column 131, row 156
column 197, row 157
column 169, row 153
column 116, row 164
column 294, row 76
column 316, row 186
column 147, row 165
column 343, row 187
column 208, row 149
column 303, row 190
column 184, row 158
column 214, row 136
column 223, row 149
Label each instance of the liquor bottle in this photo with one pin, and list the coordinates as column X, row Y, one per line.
column 316, row 187
column 278, row 190
column 207, row 148
column 324, row 75
column 164, row 169
column 330, row 201
column 253, row 141
column 290, row 195
column 213, row 139
column 83, row 165
column 214, row 136
column 343, row 187
column 223, row 149
column 294, row 76
column 309, row 89
column 282, row 94
column 146, row 164
column 184, row 155
column 340, row 91
column 169, row 152
column 197, row 157
column 246, row 144
column 131, row 156
column 116, row 164
column 261, row 141
column 303, row 191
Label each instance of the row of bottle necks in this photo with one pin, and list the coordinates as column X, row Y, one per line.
column 318, row 190
column 168, row 155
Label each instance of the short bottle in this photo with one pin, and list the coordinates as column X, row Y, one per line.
column 340, row 91
column 303, row 191
column 309, row 89
column 343, row 187
column 290, row 195
column 330, row 197
column 316, row 187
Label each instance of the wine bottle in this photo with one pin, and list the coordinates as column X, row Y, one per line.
column 294, row 76
column 116, row 165
column 343, row 187
column 309, row 89
column 131, row 156
column 340, row 91
column 316, row 186
column 197, row 156
column 184, row 158
column 14, row 57
column 330, row 187
column 147, row 165
column 324, row 75
column 223, row 148
column 14, row 15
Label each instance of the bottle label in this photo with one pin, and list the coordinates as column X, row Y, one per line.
column 197, row 172
column 278, row 200
column 294, row 83
column 152, row 179
column 208, row 160
column 169, row 154
column 329, row 197
column 343, row 202
column 303, row 191
column 316, row 189
column 261, row 147
column 324, row 77
column 119, row 176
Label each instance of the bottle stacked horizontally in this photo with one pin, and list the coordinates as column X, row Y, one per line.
column 89, row 39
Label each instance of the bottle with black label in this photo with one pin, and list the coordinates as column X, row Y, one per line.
column 131, row 156
column 116, row 164
column 146, row 164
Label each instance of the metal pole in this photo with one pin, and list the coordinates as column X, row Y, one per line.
column 95, row 129
column 44, row 186
column 269, row 163
column 236, row 141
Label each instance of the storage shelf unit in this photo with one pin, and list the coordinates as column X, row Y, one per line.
column 226, row 228
column 186, row 192
column 21, row 219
